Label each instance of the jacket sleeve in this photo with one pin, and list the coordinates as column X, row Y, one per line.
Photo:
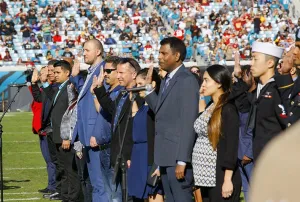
column 104, row 99
column 189, row 94
column 230, row 136
column 78, row 82
column 36, row 93
column 50, row 92
column 151, row 100
column 238, row 88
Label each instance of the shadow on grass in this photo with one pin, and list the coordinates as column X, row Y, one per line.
column 7, row 187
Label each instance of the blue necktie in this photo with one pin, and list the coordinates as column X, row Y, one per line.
column 168, row 78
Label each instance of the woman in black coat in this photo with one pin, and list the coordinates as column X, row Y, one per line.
column 215, row 153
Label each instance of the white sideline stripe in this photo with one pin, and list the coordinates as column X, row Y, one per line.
column 22, row 152
column 21, row 193
column 25, row 141
column 36, row 168
column 23, row 199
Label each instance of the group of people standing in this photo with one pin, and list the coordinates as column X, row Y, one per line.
column 96, row 128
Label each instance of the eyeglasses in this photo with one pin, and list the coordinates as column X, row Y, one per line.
column 108, row 71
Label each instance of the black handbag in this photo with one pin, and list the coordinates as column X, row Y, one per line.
column 153, row 181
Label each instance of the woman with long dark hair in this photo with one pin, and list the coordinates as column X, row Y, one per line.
column 142, row 155
column 215, row 152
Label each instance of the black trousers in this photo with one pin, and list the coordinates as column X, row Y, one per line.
column 68, row 174
column 53, row 156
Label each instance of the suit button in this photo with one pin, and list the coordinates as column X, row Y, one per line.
column 291, row 113
column 292, row 103
column 289, row 124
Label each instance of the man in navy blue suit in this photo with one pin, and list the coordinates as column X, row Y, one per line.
column 176, row 109
column 92, row 128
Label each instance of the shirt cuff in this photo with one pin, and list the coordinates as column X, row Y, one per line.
column 45, row 85
column 181, row 163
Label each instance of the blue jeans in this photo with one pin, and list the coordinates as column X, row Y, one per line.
column 101, row 174
column 93, row 163
column 50, row 165
column 246, row 172
column 114, row 191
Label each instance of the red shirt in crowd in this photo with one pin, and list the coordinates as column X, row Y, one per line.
column 179, row 34
column 101, row 37
column 148, row 46
column 136, row 17
column 57, row 38
column 238, row 26
column 226, row 37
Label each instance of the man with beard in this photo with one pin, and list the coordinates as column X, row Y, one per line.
column 93, row 128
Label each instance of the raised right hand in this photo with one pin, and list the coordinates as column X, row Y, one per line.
column 100, row 78
column 76, row 68
column 94, row 84
column 201, row 91
column 35, row 76
column 149, row 75
column 44, row 74
column 237, row 66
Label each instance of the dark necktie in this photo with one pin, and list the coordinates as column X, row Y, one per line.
column 168, row 78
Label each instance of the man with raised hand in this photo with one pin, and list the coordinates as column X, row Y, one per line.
column 176, row 109
column 92, row 129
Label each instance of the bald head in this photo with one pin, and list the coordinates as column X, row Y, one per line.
column 95, row 43
column 93, row 51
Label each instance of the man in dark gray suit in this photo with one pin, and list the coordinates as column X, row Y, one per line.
column 176, row 109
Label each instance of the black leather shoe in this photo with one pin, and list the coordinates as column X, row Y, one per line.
column 46, row 191
column 56, row 197
column 50, row 195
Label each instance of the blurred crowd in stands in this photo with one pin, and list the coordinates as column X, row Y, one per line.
column 40, row 30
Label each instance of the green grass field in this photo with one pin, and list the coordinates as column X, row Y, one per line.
column 23, row 164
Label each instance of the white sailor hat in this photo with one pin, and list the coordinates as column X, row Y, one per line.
column 267, row 48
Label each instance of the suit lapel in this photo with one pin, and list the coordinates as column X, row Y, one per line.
column 88, row 85
column 162, row 96
column 60, row 93
column 124, row 109
column 160, row 92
